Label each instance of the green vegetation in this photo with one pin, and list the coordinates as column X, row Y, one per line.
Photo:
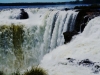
column 1, row 73
column 91, row 1
column 17, row 32
column 32, row 4
column 11, row 36
column 93, row 6
column 33, row 71
column 36, row 71
column 15, row 73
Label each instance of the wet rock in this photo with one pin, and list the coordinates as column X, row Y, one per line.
column 66, row 9
column 84, row 16
column 97, row 66
column 70, row 59
column 96, row 69
column 86, row 62
column 68, row 36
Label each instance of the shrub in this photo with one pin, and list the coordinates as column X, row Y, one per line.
column 36, row 71
column 93, row 6
column 1, row 73
column 16, row 73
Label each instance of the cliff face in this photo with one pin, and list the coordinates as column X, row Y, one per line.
column 83, row 17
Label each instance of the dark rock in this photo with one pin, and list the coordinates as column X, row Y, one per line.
column 86, row 62
column 66, row 9
column 68, row 36
column 84, row 16
column 96, row 69
column 79, row 19
column 70, row 59
column 23, row 14
column 97, row 66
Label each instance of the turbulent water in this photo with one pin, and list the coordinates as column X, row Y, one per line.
column 79, row 57
column 39, row 41
column 23, row 43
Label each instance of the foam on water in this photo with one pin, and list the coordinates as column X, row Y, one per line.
column 23, row 43
column 83, row 46
column 12, row 16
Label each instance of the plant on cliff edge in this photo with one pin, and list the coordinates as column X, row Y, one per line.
column 1, row 73
column 36, row 71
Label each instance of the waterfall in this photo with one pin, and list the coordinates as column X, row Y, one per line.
column 64, row 20
column 79, row 57
column 23, row 43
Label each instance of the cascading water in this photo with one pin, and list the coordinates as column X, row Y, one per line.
column 79, row 57
column 23, row 43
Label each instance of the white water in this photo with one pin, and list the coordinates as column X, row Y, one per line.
column 43, row 31
column 84, row 46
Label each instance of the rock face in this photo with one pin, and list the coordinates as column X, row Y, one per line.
column 86, row 62
column 68, row 36
column 23, row 14
column 84, row 16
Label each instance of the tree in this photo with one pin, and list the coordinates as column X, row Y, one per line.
column 77, row 0
column 91, row 1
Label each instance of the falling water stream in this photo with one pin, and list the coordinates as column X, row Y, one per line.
column 23, row 43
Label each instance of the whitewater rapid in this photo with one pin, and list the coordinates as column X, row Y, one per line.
column 39, row 41
column 23, row 43
column 83, row 46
